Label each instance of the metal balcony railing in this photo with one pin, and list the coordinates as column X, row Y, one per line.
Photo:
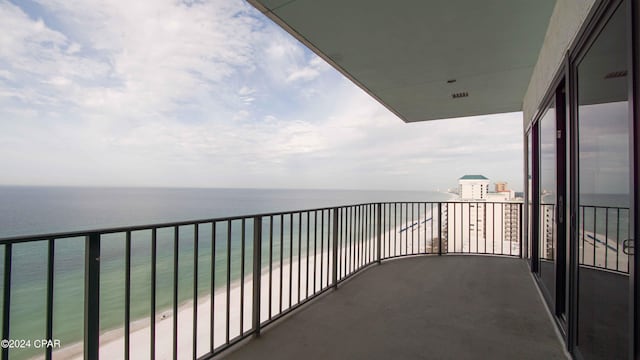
column 241, row 273
column 604, row 237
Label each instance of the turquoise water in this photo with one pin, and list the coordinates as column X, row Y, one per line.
column 33, row 210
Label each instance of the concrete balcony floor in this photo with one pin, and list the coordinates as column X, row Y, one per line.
column 448, row 307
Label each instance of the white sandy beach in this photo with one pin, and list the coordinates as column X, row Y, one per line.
column 112, row 342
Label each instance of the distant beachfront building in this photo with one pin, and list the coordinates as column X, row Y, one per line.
column 473, row 187
column 483, row 221
column 501, row 193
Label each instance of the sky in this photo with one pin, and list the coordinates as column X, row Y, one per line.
column 210, row 94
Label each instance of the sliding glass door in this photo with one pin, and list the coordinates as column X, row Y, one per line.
column 547, row 231
column 602, row 228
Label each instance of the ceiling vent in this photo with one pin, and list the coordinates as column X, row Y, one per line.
column 616, row 74
column 459, row 95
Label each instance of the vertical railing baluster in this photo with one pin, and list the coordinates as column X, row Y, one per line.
column 50, row 270
column 322, row 250
column 315, row 248
column 425, row 227
column 363, row 229
column 493, row 222
column 228, row 322
column 407, row 224
column 373, row 236
column 91, row 296
column 617, row 238
column 595, row 234
column 195, row 290
column 413, row 216
column 510, row 207
column 355, row 238
column 477, row 222
column 502, row 225
column 212, row 314
column 370, row 249
column 176, row 235
column 306, row 283
column 335, row 247
column 152, row 318
column 606, row 236
column 366, row 235
column 379, row 232
column 127, row 295
column 484, row 219
column 359, row 237
column 439, row 227
column 270, row 264
column 257, row 272
column 281, row 259
column 351, row 239
column 454, row 225
column 401, row 224
column 395, row 228
column 299, row 255
column 347, row 233
column 329, row 233
column 387, row 234
column 418, row 224
column 468, row 228
column 291, row 258
column 520, row 235
column 583, row 233
column 340, row 243
column 370, row 223
column 356, row 235
column 6, row 298
column 242, row 265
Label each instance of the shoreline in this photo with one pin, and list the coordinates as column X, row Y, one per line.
column 112, row 341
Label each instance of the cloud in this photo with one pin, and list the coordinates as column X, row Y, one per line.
column 209, row 93
column 309, row 72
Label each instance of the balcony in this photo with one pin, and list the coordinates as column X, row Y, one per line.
column 426, row 304
column 442, row 307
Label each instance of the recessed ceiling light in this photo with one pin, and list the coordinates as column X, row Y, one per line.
column 460, row 95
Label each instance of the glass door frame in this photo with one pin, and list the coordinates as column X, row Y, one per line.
column 599, row 16
column 634, row 111
column 558, row 305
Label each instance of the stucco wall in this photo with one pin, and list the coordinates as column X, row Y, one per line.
column 567, row 17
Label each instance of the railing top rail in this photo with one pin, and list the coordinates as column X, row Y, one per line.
column 124, row 229
column 604, row 207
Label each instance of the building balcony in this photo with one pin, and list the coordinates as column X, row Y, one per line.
column 434, row 307
column 373, row 280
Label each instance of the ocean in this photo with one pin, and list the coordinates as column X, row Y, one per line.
column 41, row 210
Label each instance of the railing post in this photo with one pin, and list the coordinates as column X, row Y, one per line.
column 6, row 308
column 257, row 272
column 439, row 228
column 520, row 230
column 335, row 247
column 379, row 232
column 92, row 296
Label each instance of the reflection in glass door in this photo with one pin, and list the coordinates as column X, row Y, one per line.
column 547, row 195
column 603, row 195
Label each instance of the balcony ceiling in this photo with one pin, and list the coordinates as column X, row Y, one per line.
column 403, row 53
